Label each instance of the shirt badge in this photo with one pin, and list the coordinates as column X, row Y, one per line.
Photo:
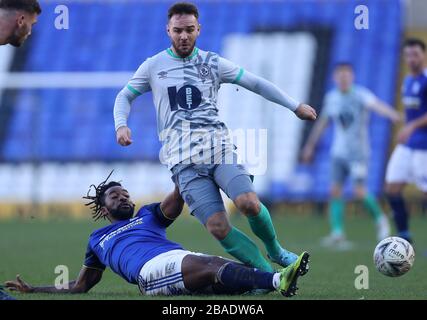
column 204, row 71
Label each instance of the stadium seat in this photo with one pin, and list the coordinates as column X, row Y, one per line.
column 76, row 125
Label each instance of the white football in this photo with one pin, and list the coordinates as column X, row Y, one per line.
column 394, row 256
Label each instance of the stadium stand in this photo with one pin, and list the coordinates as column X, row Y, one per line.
column 76, row 125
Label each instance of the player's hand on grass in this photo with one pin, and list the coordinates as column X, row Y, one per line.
column 19, row 285
column 306, row 112
column 123, row 136
column 405, row 133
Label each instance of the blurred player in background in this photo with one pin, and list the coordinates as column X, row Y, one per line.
column 408, row 163
column 17, row 18
column 348, row 106
column 136, row 248
column 196, row 146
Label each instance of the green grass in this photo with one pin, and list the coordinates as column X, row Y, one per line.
column 34, row 248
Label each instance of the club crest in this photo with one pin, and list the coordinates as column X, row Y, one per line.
column 204, row 71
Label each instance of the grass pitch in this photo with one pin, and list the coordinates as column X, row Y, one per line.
column 34, row 248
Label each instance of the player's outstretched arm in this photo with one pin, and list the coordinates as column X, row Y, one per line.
column 306, row 112
column 406, row 132
column 138, row 85
column 313, row 139
column 86, row 280
column 123, row 136
column 271, row 92
column 122, row 108
column 172, row 205
column 384, row 109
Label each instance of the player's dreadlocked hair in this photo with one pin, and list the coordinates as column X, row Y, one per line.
column 97, row 200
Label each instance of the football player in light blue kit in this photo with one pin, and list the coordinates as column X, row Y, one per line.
column 408, row 163
column 136, row 248
column 348, row 106
column 196, row 147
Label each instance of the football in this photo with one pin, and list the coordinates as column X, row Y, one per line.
column 394, row 256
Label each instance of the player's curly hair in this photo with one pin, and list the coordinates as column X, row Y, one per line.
column 98, row 200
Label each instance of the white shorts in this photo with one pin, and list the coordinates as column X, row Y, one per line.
column 408, row 166
column 162, row 275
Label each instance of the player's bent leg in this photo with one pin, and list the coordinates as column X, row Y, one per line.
column 203, row 198
column 262, row 226
column 419, row 169
column 374, row 209
column 248, row 202
column 360, row 191
column 210, row 274
column 235, row 242
column 359, row 172
column 395, row 189
column 218, row 225
column 336, row 210
column 200, row 272
column 236, row 182
column 162, row 275
column 340, row 171
column 205, row 274
column 179, row 272
column 399, row 172
column 394, row 192
column 335, row 191
column 336, row 239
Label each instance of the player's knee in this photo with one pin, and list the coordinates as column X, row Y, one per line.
column 248, row 204
column 211, row 267
column 335, row 192
column 213, row 264
column 219, row 227
column 202, row 271
column 393, row 190
column 360, row 193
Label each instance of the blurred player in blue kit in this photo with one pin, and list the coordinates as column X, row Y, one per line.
column 408, row 163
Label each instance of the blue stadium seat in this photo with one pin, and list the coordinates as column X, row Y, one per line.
column 77, row 124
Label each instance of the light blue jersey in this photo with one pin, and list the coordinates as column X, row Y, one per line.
column 350, row 116
column 185, row 94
